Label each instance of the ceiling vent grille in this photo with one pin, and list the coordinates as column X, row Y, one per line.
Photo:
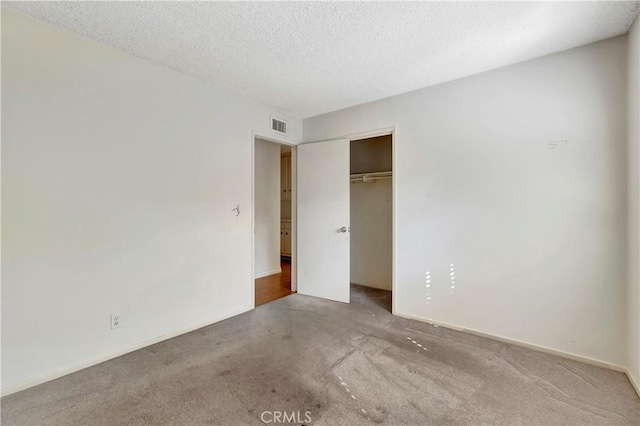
column 278, row 125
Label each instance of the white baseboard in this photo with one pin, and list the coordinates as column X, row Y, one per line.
column 539, row 348
column 633, row 381
column 63, row 372
column 269, row 272
column 60, row 373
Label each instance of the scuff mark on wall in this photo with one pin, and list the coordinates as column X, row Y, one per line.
column 554, row 144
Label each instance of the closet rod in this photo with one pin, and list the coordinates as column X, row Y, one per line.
column 370, row 177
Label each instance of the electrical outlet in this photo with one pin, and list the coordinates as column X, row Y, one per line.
column 116, row 322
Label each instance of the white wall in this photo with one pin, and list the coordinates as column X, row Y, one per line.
column 633, row 319
column 371, row 243
column 267, row 208
column 119, row 180
column 518, row 177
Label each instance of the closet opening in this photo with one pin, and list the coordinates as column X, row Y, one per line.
column 273, row 220
column 371, row 211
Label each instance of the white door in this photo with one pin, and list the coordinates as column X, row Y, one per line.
column 323, row 219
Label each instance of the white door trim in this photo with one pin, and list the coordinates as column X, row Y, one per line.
column 393, row 131
column 362, row 135
column 394, row 190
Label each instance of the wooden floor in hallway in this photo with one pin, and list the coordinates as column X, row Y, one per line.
column 274, row 286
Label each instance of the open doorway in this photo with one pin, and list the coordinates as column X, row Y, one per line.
column 273, row 220
column 346, row 196
column 371, row 218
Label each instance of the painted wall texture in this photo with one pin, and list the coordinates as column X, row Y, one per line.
column 118, row 181
column 516, row 179
column 267, row 208
column 371, row 236
column 633, row 190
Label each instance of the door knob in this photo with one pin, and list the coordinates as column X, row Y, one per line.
column 345, row 229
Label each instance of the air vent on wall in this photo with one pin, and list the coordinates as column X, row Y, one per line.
column 278, row 125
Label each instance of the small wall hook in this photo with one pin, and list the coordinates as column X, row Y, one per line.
column 237, row 210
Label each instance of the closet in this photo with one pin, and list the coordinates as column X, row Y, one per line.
column 371, row 198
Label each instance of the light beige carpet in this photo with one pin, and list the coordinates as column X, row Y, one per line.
column 340, row 364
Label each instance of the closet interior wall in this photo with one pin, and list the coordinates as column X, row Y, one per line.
column 371, row 214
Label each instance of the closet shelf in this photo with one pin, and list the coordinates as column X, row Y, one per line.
column 370, row 177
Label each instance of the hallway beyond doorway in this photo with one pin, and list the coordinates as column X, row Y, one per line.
column 274, row 286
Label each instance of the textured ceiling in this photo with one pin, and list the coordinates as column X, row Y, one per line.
column 311, row 58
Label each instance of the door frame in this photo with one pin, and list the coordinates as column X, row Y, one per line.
column 393, row 131
column 294, row 210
